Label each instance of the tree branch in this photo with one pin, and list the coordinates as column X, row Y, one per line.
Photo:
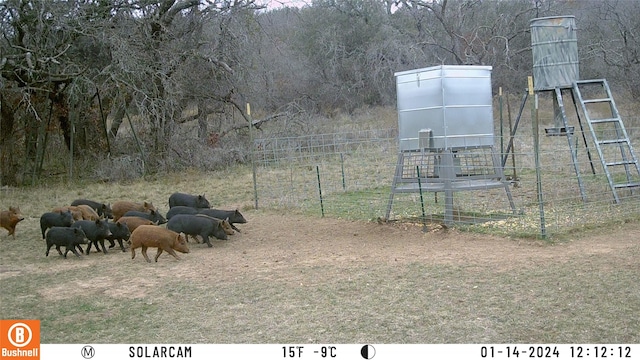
column 255, row 123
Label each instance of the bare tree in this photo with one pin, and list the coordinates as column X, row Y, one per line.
column 610, row 42
column 37, row 68
column 66, row 65
column 181, row 53
column 349, row 47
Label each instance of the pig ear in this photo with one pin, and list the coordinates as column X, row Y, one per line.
column 227, row 219
column 97, row 221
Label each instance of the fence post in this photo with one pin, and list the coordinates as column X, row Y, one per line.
column 344, row 185
column 513, row 147
column 501, row 122
column 253, row 161
column 320, row 190
column 536, row 151
column 424, row 216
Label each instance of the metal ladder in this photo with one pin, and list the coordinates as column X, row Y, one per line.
column 610, row 137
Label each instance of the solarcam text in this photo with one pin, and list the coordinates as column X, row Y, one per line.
column 160, row 351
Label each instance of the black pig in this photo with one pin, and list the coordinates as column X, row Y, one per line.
column 197, row 225
column 68, row 237
column 96, row 231
column 233, row 216
column 181, row 210
column 194, row 201
column 152, row 215
column 119, row 232
column 104, row 210
column 51, row 219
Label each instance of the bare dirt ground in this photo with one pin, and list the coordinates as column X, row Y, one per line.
column 274, row 243
column 295, row 278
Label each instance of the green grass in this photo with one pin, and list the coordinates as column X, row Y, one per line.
column 351, row 205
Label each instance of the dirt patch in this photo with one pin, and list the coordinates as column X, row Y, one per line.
column 274, row 243
column 278, row 246
column 135, row 288
column 294, row 278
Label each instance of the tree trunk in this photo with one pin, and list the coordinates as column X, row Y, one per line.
column 7, row 121
column 203, row 131
column 118, row 117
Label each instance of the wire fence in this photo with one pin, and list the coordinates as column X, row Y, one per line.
column 350, row 175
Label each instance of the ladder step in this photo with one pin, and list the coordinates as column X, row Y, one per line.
column 617, row 163
column 599, row 121
column 593, row 81
column 627, row 185
column 591, row 101
column 616, row 141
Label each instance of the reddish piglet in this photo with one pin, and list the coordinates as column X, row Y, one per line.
column 133, row 222
column 119, row 208
column 10, row 218
column 146, row 236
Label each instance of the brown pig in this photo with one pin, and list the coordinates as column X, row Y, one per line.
column 10, row 218
column 88, row 213
column 75, row 212
column 146, row 236
column 133, row 222
column 119, row 208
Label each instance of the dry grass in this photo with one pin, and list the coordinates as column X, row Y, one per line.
column 356, row 179
column 296, row 279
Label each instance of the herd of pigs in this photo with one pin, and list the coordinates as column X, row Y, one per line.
column 88, row 222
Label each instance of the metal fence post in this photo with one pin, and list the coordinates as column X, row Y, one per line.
column 536, row 154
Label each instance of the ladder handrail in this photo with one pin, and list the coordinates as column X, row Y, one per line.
column 622, row 138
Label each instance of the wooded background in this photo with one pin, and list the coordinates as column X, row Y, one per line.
column 75, row 74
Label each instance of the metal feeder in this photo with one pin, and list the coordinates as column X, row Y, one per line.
column 445, row 127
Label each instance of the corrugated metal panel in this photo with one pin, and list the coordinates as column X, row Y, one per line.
column 452, row 101
column 554, row 44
